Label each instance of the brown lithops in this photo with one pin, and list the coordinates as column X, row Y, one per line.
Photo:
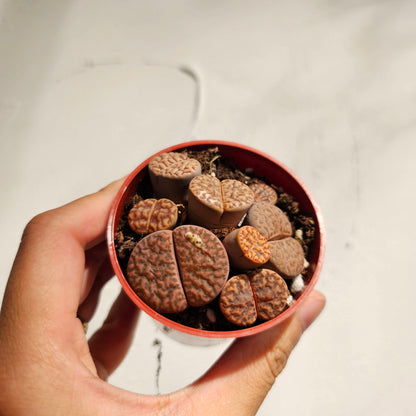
column 171, row 270
column 271, row 293
column 150, row 215
column 175, row 267
column 270, row 220
column 263, row 192
column 202, row 261
column 261, row 294
column 237, row 302
column 205, row 205
column 214, row 204
column 246, row 248
column 170, row 174
column 153, row 273
column 237, row 199
column 286, row 257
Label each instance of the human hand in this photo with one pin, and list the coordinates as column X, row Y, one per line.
column 49, row 368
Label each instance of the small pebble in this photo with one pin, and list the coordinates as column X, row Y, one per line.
column 290, row 300
column 298, row 285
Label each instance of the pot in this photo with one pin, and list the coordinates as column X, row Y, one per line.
column 263, row 166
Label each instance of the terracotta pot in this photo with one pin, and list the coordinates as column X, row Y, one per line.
column 263, row 166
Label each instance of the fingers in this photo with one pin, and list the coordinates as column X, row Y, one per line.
column 311, row 309
column 109, row 345
column 86, row 218
column 245, row 373
column 47, row 276
column 98, row 271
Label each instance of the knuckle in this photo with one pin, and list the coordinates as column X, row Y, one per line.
column 32, row 227
column 276, row 360
column 38, row 228
column 39, row 222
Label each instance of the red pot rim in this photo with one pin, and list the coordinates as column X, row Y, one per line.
column 320, row 242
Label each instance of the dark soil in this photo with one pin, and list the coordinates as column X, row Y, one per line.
column 209, row 317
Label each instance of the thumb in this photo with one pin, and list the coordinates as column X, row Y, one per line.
column 240, row 380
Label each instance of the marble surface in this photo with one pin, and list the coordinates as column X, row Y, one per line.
column 89, row 89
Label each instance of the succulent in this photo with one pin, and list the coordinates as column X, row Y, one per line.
column 171, row 270
column 260, row 294
column 213, row 203
column 178, row 263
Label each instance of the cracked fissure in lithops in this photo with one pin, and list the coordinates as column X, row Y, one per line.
column 169, row 272
column 286, row 257
column 170, row 174
column 286, row 253
column 269, row 219
column 214, row 204
column 150, row 215
column 261, row 294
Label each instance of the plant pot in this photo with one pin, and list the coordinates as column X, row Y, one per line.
column 263, row 166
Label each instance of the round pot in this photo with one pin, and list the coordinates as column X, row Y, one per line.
column 263, row 166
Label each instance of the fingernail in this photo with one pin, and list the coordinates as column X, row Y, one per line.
column 311, row 308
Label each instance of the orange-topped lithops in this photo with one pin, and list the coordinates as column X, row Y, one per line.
column 179, row 276
column 260, row 294
column 246, row 248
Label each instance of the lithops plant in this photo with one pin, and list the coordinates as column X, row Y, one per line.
column 203, row 263
column 237, row 302
column 271, row 293
column 170, row 174
column 261, row 294
column 150, row 215
column 213, row 203
column 286, row 253
column 180, row 269
column 263, row 192
column 246, row 248
column 270, row 220
column 286, row 257
column 153, row 274
column 171, row 270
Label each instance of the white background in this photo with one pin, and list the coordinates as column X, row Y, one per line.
column 88, row 89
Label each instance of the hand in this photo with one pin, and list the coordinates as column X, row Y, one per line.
column 49, row 368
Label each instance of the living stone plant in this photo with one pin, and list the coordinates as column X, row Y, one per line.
column 179, row 262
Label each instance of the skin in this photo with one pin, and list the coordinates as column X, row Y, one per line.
column 48, row 367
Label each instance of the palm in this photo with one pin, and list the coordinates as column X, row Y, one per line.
column 49, row 367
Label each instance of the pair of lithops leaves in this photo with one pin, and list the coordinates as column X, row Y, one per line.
column 189, row 266
column 211, row 202
column 267, row 236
